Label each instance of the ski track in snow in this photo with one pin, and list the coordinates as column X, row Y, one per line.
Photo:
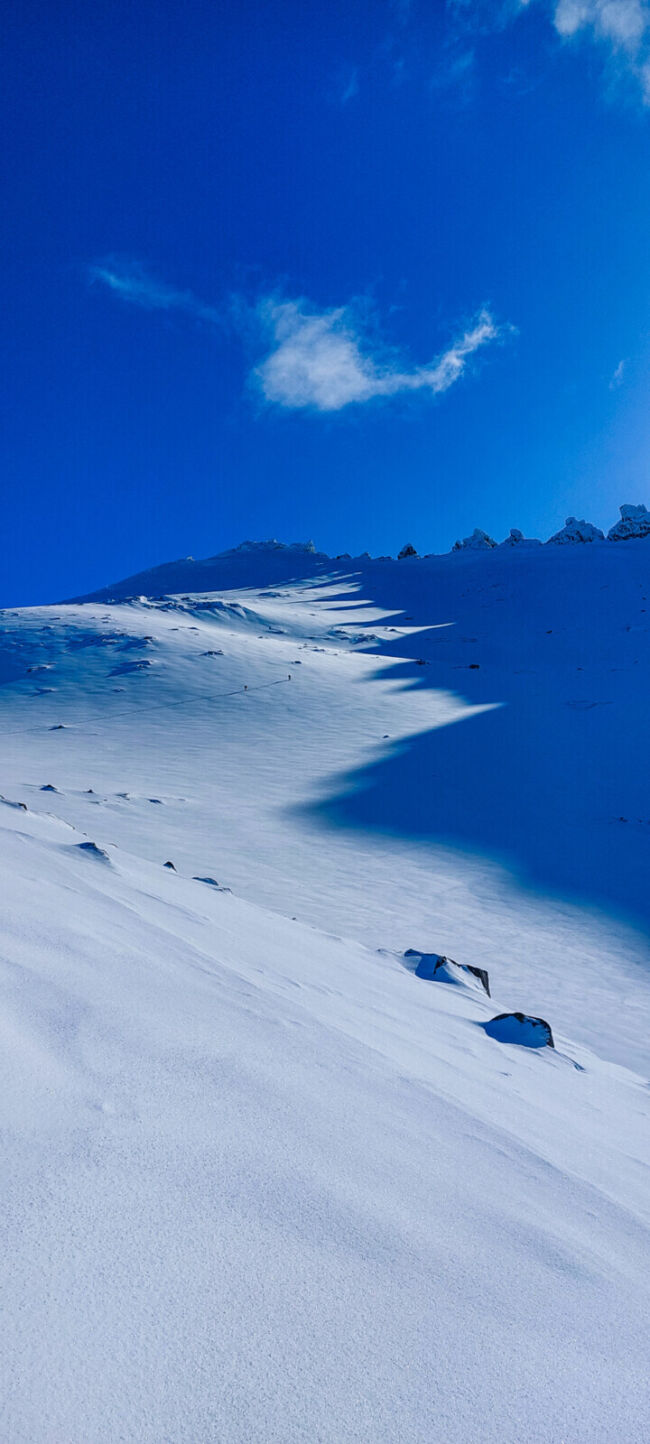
column 261, row 1181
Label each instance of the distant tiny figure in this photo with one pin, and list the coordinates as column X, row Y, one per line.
column 245, row 686
column 289, row 677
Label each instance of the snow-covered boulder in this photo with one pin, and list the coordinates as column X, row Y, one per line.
column 576, row 531
column 520, row 1028
column 517, row 539
column 407, row 551
column 635, row 522
column 478, row 541
column 435, row 967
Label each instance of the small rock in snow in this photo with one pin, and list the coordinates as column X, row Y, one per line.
column 519, row 1028
column 435, row 967
column 92, row 849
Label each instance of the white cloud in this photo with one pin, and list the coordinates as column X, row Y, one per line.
column 321, row 359
column 622, row 23
column 132, row 283
column 621, row 27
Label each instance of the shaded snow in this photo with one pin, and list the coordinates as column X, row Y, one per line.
column 260, row 1180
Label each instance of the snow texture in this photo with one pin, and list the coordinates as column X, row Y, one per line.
column 259, row 1180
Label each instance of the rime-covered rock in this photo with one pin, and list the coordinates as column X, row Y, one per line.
column 517, row 539
column 576, row 531
column 479, row 541
column 273, row 545
column 635, row 522
column 407, row 551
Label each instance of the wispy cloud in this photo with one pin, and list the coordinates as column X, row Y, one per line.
column 621, row 28
column 129, row 281
column 322, row 360
column 349, row 85
column 618, row 376
column 456, row 74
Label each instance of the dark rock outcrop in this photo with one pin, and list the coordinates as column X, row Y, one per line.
column 520, row 1028
column 436, row 968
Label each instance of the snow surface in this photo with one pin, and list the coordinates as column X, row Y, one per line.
column 260, row 1181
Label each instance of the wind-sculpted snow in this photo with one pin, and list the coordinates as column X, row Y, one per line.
column 264, row 1177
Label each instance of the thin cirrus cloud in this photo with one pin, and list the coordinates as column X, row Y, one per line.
column 618, row 376
column 317, row 360
column 130, row 282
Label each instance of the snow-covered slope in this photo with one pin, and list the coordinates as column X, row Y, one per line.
column 263, row 1178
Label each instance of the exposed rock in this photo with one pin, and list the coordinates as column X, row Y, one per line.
column 435, row 967
column 479, row 541
column 576, row 531
column 169, row 865
column 635, row 522
column 93, row 850
column 517, row 539
column 519, row 1028
column 407, row 551
column 49, row 788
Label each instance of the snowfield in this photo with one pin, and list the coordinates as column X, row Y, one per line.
column 265, row 1176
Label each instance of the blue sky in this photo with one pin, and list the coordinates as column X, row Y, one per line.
column 361, row 271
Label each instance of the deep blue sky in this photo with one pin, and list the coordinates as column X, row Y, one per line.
column 170, row 167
